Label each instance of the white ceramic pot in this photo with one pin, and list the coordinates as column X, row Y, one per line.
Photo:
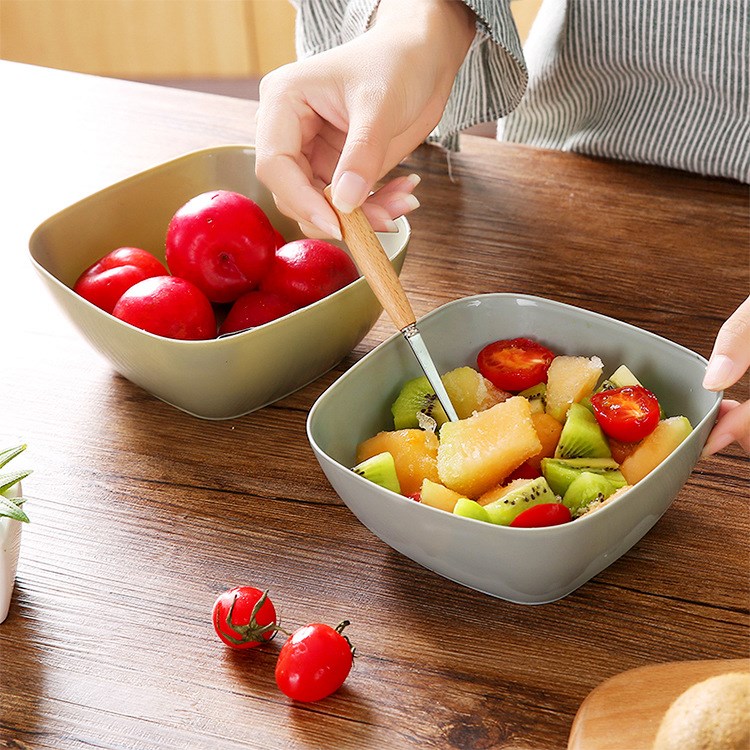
column 10, row 548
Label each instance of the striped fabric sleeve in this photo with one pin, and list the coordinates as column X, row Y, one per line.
column 489, row 84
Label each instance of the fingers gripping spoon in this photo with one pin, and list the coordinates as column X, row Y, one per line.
column 372, row 261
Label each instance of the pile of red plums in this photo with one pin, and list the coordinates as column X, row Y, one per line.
column 229, row 270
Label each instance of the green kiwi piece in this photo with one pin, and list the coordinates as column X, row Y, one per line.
column 586, row 488
column 416, row 396
column 581, row 436
column 470, row 509
column 559, row 472
column 622, row 376
column 536, row 396
column 534, row 492
column 380, row 469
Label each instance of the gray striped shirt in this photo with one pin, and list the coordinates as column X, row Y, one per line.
column 663, row 82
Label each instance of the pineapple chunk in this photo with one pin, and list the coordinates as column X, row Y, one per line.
column 439, row 496
column 477, row 453
column 654, row 448
column 570, row 379
column 470, row 391
column 414, row 454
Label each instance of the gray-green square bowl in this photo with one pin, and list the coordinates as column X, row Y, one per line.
column 217, row 378
column 527, row 566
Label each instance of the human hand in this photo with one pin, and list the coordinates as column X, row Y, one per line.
column 729, row 361
column 347, row 116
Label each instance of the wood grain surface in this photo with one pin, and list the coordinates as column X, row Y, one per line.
column 141, row 514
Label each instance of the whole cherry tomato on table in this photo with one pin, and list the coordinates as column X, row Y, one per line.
column 222, row 242
column 168, row 306
column 104, row 282
column 627, row 414
column 514, row 364
column 244, row 617
column 314, row 662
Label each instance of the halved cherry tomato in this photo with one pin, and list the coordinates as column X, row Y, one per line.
column 515, row 364
column 546, row 514
column 244, row 617
column 627, row 414
column 314, row 662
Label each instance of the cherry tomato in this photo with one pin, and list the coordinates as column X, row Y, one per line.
column 222, row 242
column 104, row 282
column 314, row 662
column 244, row 617
column 627, row 414
column 168, row 306
column 254, row 309
column 546, row 514
column 524, row 471
column 514, row 364
column 307, row 270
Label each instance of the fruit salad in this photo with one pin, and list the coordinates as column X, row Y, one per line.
column 542, row 438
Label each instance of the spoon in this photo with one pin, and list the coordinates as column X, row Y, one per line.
column 374, row 264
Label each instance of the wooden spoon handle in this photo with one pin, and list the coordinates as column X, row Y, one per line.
column 374, row 265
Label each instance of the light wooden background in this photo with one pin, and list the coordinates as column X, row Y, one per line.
column 160, row 39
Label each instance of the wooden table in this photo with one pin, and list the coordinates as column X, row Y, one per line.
column 141, row 514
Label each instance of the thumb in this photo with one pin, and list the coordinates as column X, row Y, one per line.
column 361, row 162
column 731, row 355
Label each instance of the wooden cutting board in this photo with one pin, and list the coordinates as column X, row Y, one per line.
column 624, row 712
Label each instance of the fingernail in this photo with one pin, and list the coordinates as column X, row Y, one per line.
column 413, row 180
column 388, row 226
column 381, row 219
column 403, row 204
column 349, row 192
column 334, row 230
column 718, row 373
column 717, row 443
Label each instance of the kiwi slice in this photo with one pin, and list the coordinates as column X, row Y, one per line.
column 560, row 473
column 380, row 469
column 416, row 396
column 536, row 396
column 470, row 509
column 622, row 376
column 581, row 436
column 587, row 488
column 526, row 495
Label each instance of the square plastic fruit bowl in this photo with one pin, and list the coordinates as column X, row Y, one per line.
column 528, row 566
column 218, row 378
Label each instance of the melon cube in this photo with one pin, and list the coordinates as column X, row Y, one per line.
column 548, row 431
column 470, row 391
column 479, row 452
column 414, row 454
column 569, row 380
column 654, row 448
column 439, row 496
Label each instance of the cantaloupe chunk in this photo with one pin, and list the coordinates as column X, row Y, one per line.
column 548, row 430
column 654, row 448
column 439, row 496
column 414, row 453
column 470, row 391
column 570, row 379
column 477, row 453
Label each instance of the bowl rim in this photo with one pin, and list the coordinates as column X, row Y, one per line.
column 546, row 530
column 404, row 229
